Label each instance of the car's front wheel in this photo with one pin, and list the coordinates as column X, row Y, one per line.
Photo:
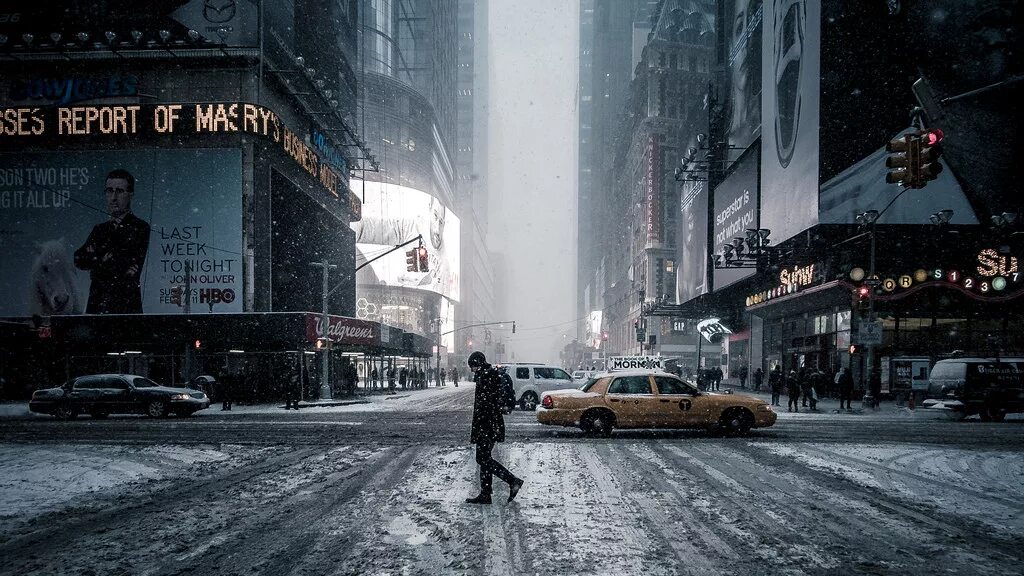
column 156, row 409
column 736, row 422
column 65, row 411
column 528, row 402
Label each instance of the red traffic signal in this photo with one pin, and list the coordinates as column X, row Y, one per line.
column 862, row 298
column 197, row 344
column 931, row 151
column 424, row 261
column 853, row 349
column 412, row 261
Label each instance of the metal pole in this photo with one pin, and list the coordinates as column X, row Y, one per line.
column 869, row 399
column 188, row 288
column 325, row 324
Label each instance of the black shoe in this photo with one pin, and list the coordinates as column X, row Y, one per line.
column 479, row 499
column 513, row 488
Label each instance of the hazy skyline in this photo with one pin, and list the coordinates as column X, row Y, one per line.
column 532, row 151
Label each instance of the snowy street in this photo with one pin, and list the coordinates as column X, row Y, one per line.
column 378, row 488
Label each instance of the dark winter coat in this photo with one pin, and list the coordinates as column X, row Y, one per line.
column 775, row 380
column 488, row 423
column 793, row 386
column 846, row 381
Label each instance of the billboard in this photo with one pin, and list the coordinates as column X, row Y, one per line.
column 790, row 111
column 735, row 212
column 77, row 239
column 743, row 30
column 395, row 214
column 692, row 249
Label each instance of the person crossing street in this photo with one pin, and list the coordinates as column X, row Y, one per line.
column 488, row 429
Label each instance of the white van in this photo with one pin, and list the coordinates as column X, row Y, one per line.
column 530, row 381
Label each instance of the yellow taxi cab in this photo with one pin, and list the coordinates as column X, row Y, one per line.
column 646, row 399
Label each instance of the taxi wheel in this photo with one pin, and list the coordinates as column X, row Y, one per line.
column 736, row 422
column 598, row 423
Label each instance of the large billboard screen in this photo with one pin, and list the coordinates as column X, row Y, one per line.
column 789, row 110
column 110, row 232
column 735, row 213
column 692, row 250
column 394, row 214
column 743, row 28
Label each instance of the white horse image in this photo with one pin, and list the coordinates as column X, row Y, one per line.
column 53, row 290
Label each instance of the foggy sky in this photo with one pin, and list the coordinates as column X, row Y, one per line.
column 532, row 155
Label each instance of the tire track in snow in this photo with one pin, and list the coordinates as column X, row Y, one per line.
column 904, row 525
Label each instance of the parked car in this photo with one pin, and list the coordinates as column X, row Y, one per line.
column 645, row 399
column 102, row 394
column 531, row 380
column 580, row 377
column 988, row 387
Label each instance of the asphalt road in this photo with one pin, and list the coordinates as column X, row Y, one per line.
column 381, row 492
column 445, row 419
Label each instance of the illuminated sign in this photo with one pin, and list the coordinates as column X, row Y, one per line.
column 994, row 274
column 991, row 263
column 791, row 280
column 166, row 120
column 653, row 192
column 74, row 89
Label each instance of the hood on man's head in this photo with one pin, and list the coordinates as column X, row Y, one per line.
column 477, row 359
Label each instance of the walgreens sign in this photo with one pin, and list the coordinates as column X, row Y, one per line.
column 342, row 330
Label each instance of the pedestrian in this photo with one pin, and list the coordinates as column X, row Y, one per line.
column 793, row 390
column 743, row 376
column 716, row 377
column 816, row 379
column 291, row 392
column 455, row 376
column 702, row 380
column 488, row 428
column 758, row 379
column 391, row 379
column 403, row 377
column 845, row 388
column 373, row 378
column 227, row 391
column 804, row 381
column 775, row 383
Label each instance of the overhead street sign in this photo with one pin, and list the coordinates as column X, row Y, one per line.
column 870, row 333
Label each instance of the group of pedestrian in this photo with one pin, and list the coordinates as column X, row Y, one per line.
column 710, row 379
column 804, row 386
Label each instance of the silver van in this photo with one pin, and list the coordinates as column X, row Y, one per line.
column 530, row 381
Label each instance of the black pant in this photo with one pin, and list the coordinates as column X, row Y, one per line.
column 794, row 402
column 489, row 466
column 844, row 396
column 775, row 398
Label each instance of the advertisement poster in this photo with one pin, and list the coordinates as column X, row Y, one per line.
column 110, row 232
column 743, row 25
column 789, row 109
column 394, row 214
column 691, row 272
column 735, row 213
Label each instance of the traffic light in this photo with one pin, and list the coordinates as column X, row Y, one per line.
column 197, row 344
column 412, row 260
column 421, row 253
column 898, row 158
column 931, row 151
column 854, row 349
column 176, row 292
column 862, row 298
column 914, row 158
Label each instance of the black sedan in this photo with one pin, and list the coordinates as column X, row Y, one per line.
column 103, row 394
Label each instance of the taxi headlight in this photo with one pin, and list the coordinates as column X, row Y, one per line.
column 765, row 408
column 180, row 397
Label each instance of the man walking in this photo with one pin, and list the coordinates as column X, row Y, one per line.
column 793, row 390
column 758, row 379
column 488, row 428
column 775, row 383
column 845, row 388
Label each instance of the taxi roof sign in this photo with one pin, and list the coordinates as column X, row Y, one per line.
column 636, row 363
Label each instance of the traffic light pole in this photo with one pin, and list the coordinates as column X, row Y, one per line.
column 869, row 399
column 325, row 325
